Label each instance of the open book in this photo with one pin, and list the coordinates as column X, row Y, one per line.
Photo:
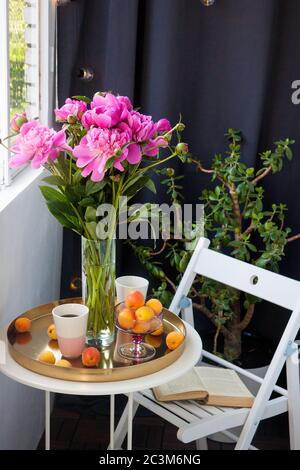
column 212, row 385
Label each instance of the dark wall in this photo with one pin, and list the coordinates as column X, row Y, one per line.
column 229, row 65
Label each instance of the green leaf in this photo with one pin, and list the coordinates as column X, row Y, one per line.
column 86, row 99
column 91, row 228
column 151, row 186
column 61, row 207
column 54, row 180
column 92, row 187
column 51, row 194
column 87, row 201
column 90, row 214
column 77, row 177
column 288, row 153
column 135, row 185
column 109, row 163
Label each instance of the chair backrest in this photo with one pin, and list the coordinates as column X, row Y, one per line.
column 266, row 285
column 243, row 276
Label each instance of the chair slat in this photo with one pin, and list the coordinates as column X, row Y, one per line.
column 270, row 286
column 171, row 406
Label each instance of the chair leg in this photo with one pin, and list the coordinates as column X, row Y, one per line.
column 122, row 427
column 201, row 444
column 292, row 370
column 47, row 420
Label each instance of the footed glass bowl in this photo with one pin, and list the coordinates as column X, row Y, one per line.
column 137, row 326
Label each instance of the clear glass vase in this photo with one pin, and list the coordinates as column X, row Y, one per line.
column 98, row 289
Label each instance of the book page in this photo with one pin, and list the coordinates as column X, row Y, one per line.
column 222, row 382
column 189, row 382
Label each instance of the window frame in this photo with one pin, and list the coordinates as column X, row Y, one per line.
column 45, row 77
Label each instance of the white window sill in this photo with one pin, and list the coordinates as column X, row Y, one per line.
column 19, row 184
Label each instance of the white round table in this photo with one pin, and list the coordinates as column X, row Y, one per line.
column 190, row 356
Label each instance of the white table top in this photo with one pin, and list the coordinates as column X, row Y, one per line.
column 190, row 356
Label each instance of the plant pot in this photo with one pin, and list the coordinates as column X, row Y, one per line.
column 98, row 289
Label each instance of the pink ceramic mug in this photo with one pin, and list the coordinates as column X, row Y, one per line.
column 71, row 324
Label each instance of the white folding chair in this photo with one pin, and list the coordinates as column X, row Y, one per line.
column 194, row 421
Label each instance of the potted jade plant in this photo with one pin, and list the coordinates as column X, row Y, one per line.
column 105, row 150
column 239, row 224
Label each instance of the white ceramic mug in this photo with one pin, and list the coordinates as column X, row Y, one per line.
column 126, row 284
column 71, row 324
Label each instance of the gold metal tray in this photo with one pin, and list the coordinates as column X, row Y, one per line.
column 26, row 347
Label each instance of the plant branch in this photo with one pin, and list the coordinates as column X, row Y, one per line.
column 248, row 230
column 293, row 238
column 262, row 175
column 236, row 207
column 200, row 167
column 171, row 283
column 247, row 318
column 211, row 317
column 215, row 346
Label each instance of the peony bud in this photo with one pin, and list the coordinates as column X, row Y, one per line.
column 182, row 148
column 17, row 121
column 170, row 172
column 180, row 127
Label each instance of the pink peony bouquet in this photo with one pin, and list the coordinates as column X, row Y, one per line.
column 105, row 152
column 105, row 149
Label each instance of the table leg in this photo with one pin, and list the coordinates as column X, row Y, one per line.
column 112, row 422
column 130, row 419
column 47, row 420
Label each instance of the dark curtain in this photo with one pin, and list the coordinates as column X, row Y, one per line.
column 229, row 65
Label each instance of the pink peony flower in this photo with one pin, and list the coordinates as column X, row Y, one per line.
column 145, row 131
column 99, row 145
column 17, row 121
column 37, row 143
column 73, row 108
column 107, row 111
column 141, row 125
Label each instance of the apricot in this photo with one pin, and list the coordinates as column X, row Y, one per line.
column 23, row 338
column 174, row 339
column 126, row 318
column 144, row 313
column 156, row 306
column 141, row 327
column 135, row 299
column 63, row 363
column 90, row 357
column 158, row 332
column 47, row 356
column 51, row 331
column 22, row 324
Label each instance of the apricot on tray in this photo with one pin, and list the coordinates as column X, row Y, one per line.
column 47, row 356
column 63, row 363
column 51, row 331
column 174, row 339
column 90, row 357
column 22, row 324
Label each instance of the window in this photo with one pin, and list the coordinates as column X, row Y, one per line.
column 26, row 65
